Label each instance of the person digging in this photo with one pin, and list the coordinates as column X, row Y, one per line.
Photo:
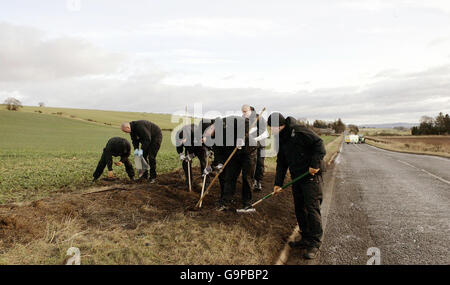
column 189, row 145
column 301, row 150
column 115, row 147
column 149, row 136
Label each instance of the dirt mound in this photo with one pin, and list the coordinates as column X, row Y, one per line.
column 122, row 205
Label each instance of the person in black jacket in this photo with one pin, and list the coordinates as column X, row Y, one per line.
column 226, row 134
column 301, row 150
column 261, row 132
column 149, row 135
column 189, row 139
column 115, row 147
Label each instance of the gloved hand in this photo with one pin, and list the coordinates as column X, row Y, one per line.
column 136, row 151
column 190, row 156
column 182, row 156
column 313, row 171
column 219, row 166
column 207, row 171
column 240, row 143
column 277, row 190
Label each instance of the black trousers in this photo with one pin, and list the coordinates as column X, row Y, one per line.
column 241, row 161
column 103, row 163
column 259, row 170
column 307, row 200
column 150, row 153
column 200, row 153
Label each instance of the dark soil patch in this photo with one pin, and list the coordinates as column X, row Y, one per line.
column 130, row 204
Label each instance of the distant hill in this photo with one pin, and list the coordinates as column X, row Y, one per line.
column 388, row 126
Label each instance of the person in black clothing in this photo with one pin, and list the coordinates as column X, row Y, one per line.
column 301, row 150
column 189, row 139
column 149, row 135
column 227, row 134
column 261, row 132
column 115, row 147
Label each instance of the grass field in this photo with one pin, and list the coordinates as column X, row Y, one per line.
column 434, row 145
column 42, row 153
column 384, row 132
column 49, row 159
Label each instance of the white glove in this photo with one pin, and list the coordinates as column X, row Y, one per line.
column 219, row 166
column 207, row 171
column 261, row 137
column 136, row 152
column 182, row 156
column 240, row 143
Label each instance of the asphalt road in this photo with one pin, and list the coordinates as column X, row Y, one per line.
column 393, row 202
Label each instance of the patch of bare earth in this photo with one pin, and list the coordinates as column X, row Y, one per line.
column 145, row 224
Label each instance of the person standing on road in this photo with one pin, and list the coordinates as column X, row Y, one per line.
column 301, row 150
column 189, row 139
column 115, row 147
column 260, row 132
column 149, row 135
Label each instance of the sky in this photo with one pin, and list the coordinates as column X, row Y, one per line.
column 365, row 61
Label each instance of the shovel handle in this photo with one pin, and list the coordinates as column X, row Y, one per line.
column 283, row 187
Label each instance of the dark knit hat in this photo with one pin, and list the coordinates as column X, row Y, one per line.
column 274, row 116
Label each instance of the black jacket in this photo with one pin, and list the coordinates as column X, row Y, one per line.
column 115, row 147
column 299, row 149
column 227, row 131
column 193, row 136
column 144, row 132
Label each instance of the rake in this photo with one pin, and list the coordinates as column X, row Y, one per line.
column 251, row 208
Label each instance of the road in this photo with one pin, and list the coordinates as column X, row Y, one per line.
column 396, row 202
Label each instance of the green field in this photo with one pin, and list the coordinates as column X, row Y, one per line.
column 41, row 153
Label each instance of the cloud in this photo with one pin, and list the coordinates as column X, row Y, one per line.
column 27, row 54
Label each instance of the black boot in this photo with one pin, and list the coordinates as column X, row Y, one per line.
column 300, row 244
column 311, row 252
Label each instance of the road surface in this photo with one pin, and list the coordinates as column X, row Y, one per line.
column 396, row 203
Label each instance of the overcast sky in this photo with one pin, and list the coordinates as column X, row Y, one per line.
column 363, row 61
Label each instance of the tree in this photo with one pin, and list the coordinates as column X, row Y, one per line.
column 12, row 104
column 41, row 104
column 320, row 124
column 338, row 126
column 353, row 129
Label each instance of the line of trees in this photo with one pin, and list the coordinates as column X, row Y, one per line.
column 338, row 126
column 433, row 126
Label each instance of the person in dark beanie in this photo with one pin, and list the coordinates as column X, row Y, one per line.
column 300, row 150
column 260, row 132
column 149, row 136
column 115, row 147
column 189, row 145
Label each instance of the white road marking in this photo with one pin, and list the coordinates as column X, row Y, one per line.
column 435, row 176
column 423, row 170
